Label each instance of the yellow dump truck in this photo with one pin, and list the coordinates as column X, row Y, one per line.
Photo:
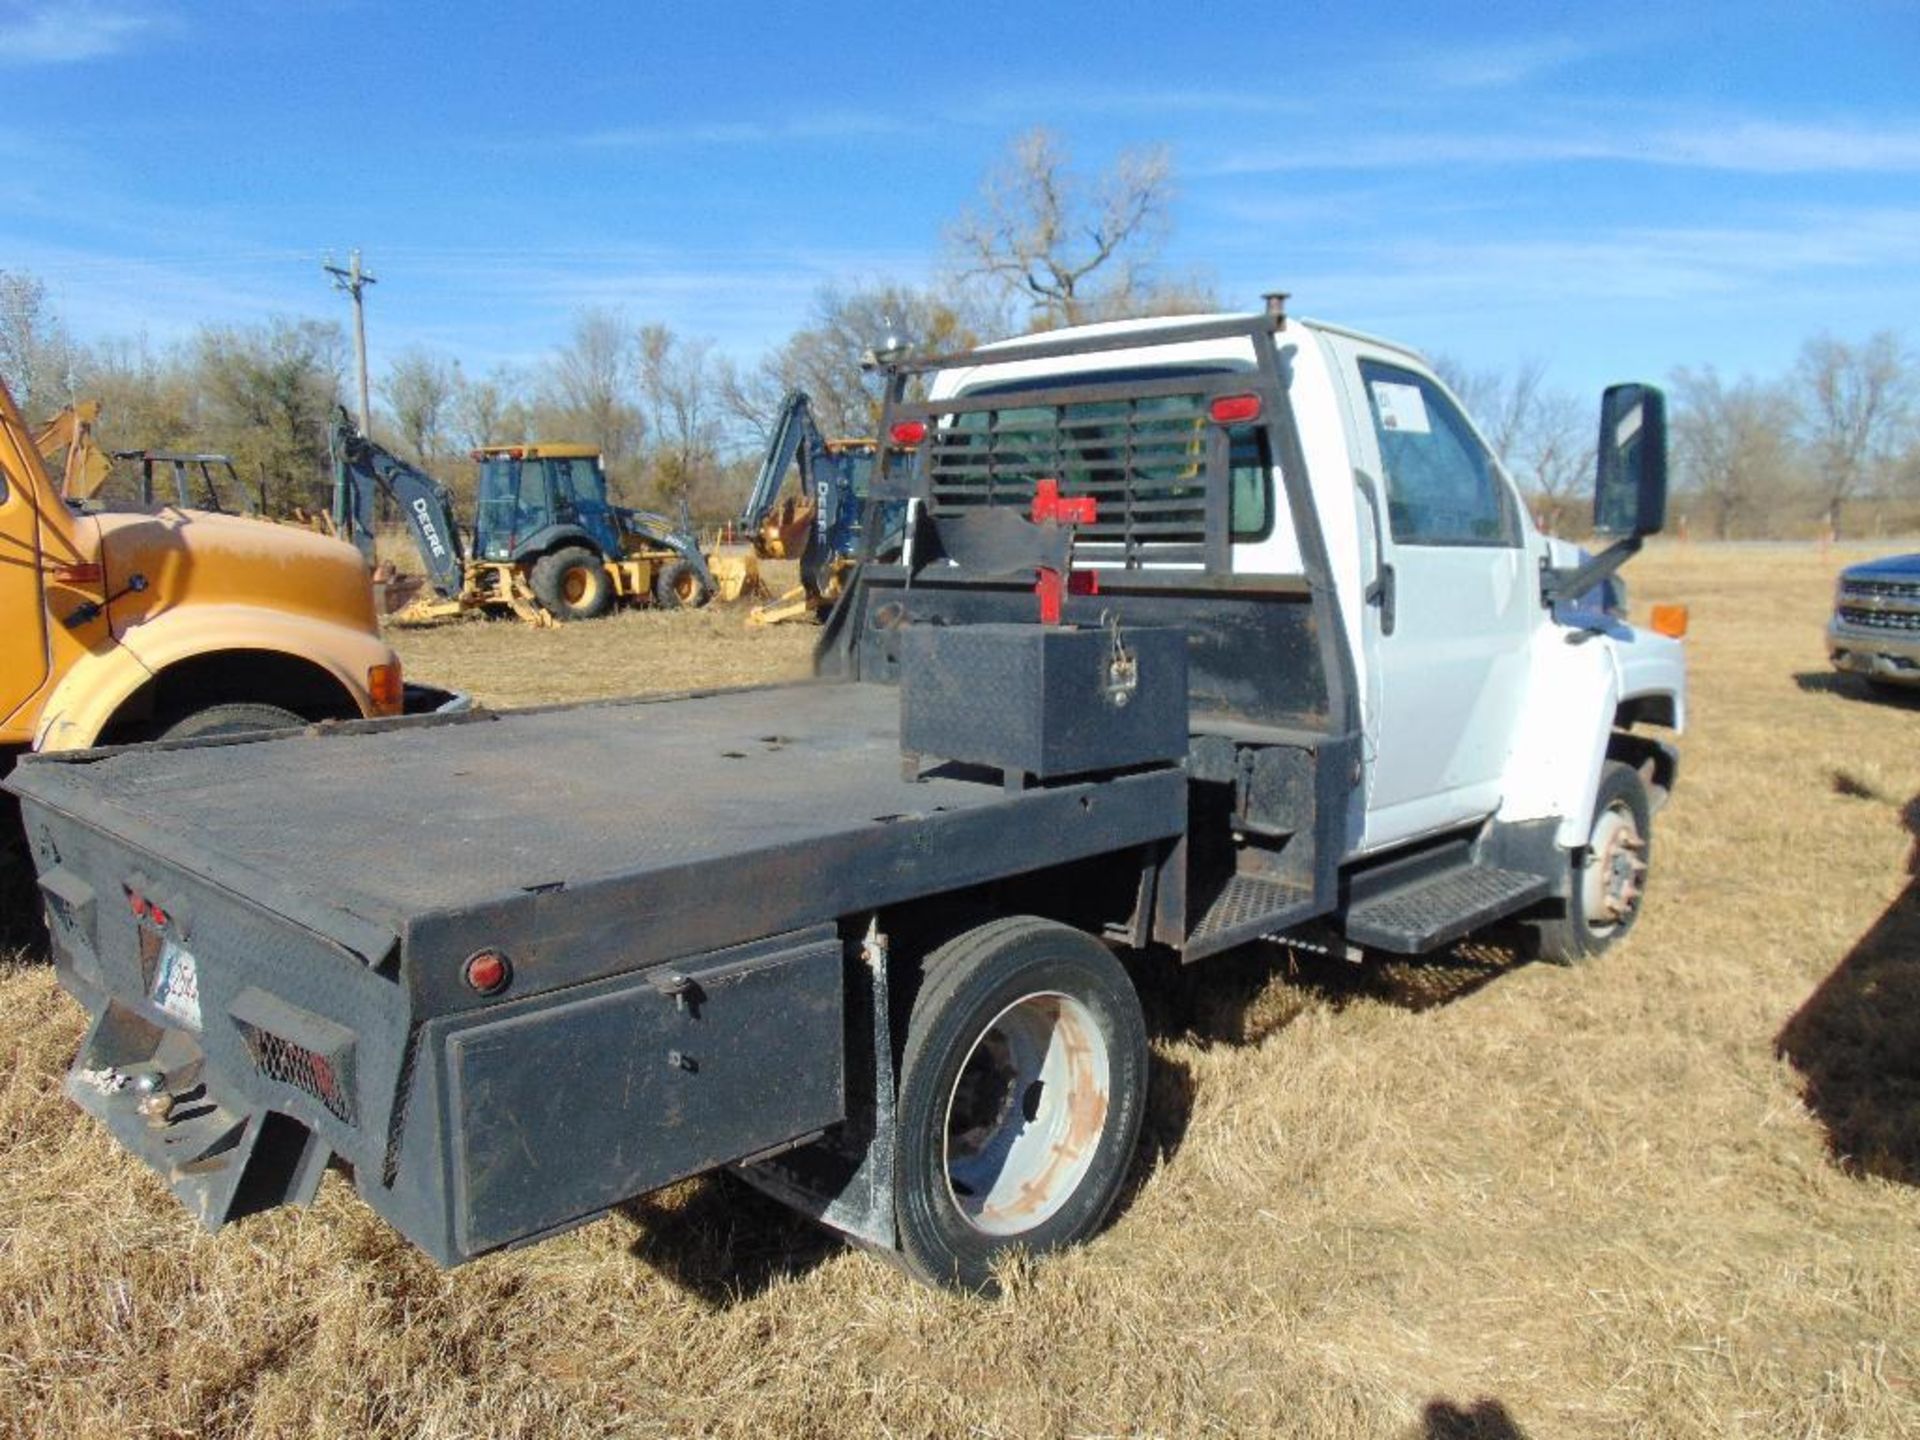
column 163, row 622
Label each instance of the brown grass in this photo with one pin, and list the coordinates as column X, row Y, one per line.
column 1462, row 1199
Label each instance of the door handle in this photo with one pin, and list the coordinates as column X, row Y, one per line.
column 1380, row 590
column 1380, row 593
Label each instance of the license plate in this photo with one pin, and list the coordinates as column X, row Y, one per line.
column 176, row 984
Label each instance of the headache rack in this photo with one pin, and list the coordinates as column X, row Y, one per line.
column 1177, row 458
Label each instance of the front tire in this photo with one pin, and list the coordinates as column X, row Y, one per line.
column 680, row 586
column 1022, row 1085
column 1609, row 873
column 237, row 719
column 572, row 584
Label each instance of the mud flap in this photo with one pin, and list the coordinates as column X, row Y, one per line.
column 844, row 1180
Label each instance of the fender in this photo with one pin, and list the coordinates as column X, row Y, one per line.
column 1580, row 676
column 93, row 690
column 552, row 537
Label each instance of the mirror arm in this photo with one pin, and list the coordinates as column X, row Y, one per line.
column 1557, row 585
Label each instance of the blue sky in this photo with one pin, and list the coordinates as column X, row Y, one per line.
column 1616, row 189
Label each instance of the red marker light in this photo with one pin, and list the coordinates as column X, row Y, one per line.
column 487, row 972
column 908, row 432
column 1234, row 409
column 137, row 904
column 157, row 915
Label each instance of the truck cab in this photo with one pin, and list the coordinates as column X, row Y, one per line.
column 126, row 625
column 1432, row 652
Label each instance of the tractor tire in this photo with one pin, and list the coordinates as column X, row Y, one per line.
column 572, row 584
column 1022, row 1083
column 1609, row 873
column 679, row 585
column 237, row 719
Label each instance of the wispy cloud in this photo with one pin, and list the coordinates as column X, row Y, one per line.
column 34, row 32
column 1708, row 144
column 840, row 126
column 1492, row 67
column 1667, row 265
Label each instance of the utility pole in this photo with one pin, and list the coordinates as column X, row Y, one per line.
column 353, row 280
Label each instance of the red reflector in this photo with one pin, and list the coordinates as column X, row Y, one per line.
column 1235, row 409
column 908, row 432
column 488, row 971
column 88, row 574
column 157, row 915
column 136, row 904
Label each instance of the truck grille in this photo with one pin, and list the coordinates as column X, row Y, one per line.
column 1882, row 589
column 1901, row 620
column 327, row 1078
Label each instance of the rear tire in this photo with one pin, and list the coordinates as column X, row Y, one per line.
column 572, row 584
column 1022, row 1084
column 1609, row 875
column 238, row 719
column 678, row 585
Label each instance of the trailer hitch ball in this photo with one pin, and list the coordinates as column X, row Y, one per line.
column 487, row 972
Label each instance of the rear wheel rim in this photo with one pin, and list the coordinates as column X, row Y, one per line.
column 1026, row 1114
column 575, row 585
column 686, row 587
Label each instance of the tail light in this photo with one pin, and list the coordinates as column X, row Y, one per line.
column 908, row 432
column 1234, row 409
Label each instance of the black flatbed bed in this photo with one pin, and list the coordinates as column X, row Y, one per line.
column 389, row 823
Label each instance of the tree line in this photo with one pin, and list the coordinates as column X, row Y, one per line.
column 1833, row 445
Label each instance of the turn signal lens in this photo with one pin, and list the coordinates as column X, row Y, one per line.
column 1669, row 620
column 1234, row 409
column 488, row 972
column 385, row 687
column 908, row 432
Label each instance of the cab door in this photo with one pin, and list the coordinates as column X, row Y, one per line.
column 24, row 659
column 1453, row 607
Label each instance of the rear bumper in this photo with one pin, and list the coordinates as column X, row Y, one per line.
column 1892, row 656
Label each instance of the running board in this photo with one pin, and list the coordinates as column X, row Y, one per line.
column 1427, row 912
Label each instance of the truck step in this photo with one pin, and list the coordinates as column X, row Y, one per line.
column 1250, row 906
column 1426, row 913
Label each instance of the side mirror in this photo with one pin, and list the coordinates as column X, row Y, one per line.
column 1630, row 486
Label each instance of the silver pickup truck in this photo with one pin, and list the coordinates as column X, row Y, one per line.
column 1875, row 630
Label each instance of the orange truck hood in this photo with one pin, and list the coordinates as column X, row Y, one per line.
column 209, row 559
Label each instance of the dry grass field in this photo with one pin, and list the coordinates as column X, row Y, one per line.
column 1670, row 1194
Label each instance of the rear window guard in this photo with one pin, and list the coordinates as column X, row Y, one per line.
column 1173, row 488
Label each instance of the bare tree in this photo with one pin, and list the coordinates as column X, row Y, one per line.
column 681, row 399
column 1857, row 410
column 269, row 392
column 487, row 411
column 823, row 358
column 1734, row 449
column 588, row 390
column 1070, row 248
column 1540, row 435
column 419, row 389
column 37, row 357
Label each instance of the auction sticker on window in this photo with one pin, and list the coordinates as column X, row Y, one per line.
column 176, row 984
column 1401, row 407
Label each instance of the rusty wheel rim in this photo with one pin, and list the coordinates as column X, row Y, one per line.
column 575, row 585
column 1616, row 864
column 1026, row 1113
column 687, row 587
